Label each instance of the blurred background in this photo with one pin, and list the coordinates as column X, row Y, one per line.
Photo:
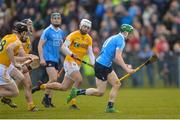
column 157, row 24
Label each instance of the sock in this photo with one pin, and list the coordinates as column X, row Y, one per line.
column 81, row 92
column 50, row 99
column 46, row 96
column 110, row 104
column 73, row 101
column 31, row 106
column 43, row 86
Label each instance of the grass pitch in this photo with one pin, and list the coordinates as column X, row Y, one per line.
column 131, row 102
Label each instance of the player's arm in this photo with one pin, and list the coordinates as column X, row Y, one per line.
column 65, row 48
column 119, row 60
column 42, row 41
column 91, row 55
column 40, row 49
column 22, row 56
column 10, row 51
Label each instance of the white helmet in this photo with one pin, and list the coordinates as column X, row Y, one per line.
column 85, row 22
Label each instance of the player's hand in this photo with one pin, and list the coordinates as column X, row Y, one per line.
column 32, row 57
column 28, row 58
column 18, row 66
column 129, row 66
column 130, row 71
column 74, row 56
column 42, row 62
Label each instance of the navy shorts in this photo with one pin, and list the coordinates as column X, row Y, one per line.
column 101, row 71
column 52, row 64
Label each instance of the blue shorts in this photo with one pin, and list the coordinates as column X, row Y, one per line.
column 101, row 71
column 52, row 64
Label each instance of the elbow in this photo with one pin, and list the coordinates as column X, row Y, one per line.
column 63, row 47
column 92, row 58
column 39, row 46
column 93, row 61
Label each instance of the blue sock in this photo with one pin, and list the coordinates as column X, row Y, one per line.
column 46, row 96
column 81, row 92
column 110, row 104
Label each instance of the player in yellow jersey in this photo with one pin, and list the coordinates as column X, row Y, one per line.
column 27, row 81
column 10, row 48
column 77, row 44
column 27, row 84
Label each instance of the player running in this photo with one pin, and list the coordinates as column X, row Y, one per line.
column 111, row 50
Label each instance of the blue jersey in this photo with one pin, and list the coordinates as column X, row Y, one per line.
column 109, row 47
column 53, row 40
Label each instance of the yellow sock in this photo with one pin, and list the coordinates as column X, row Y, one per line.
column 31, row 106
column 43, row 86
column 73, row 101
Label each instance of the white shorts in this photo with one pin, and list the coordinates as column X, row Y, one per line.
column 4, row 75
column 70, row 67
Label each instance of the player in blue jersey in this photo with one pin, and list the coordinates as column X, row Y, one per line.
column 111, row 51
column 49, row 52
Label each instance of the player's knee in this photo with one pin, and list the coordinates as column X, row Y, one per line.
column 80, row 79
column 117, row 85
column 30, row 86
column 77, row 81
column 77, row 78
column 21, row 77
column 15, row 93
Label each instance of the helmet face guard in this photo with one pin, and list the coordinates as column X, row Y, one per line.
column 20, row 27
column 126, row 28
column 29, row 24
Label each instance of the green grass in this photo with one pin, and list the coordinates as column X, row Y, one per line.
column 131, row 102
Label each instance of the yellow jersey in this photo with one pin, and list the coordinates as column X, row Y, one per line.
column 79, row 45
column 27, row 45
column 6, row 40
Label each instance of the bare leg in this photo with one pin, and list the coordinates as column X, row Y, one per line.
column 9, row 90
column 112, row 79
column 99, row 91
column 27, row 88
column 52, row 73
column 28, row 95
column 65, row 85
column 16, row 75
column 77, row 78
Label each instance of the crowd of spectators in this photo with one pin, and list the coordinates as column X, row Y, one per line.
column 157, row 24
